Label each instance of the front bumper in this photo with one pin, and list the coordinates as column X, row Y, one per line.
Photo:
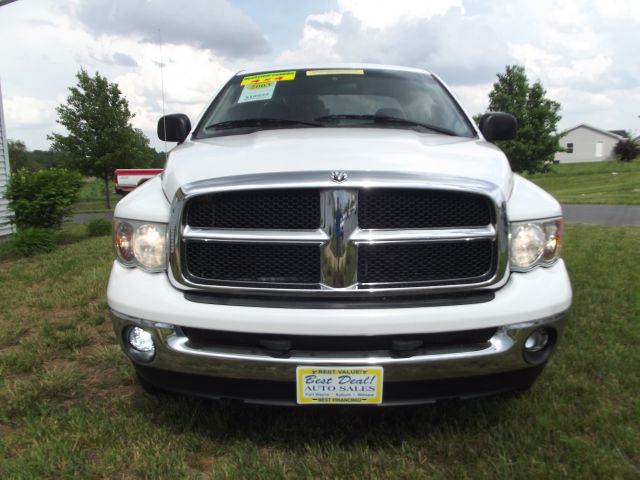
column 500, row 360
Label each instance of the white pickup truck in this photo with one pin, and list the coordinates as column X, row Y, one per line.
column 338, row 234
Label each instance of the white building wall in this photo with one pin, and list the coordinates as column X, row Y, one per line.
column 4, row 175
column 589, row 145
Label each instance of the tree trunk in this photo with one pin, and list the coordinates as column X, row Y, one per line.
column 106, row 192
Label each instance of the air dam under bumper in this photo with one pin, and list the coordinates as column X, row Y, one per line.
column 454, row 371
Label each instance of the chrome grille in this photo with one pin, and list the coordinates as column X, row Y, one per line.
column 240, row 236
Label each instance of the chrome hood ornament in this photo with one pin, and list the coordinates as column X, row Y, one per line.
column 338, row 176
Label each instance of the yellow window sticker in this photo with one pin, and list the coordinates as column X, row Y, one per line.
column 269, row 77
column 255, row 92
column 344, row 71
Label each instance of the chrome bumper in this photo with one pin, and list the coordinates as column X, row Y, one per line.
column 502, row 353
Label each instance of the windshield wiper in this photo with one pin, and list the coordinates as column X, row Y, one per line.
column 260, row 122
column 385, row 120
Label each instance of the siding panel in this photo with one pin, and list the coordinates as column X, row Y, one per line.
column 4, row 171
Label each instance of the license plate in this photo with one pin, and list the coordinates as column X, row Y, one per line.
column 330, row 385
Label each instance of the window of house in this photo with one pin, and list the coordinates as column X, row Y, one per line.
column 569, row 148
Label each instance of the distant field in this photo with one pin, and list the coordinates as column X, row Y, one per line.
column 91, row 197
column 595, row 183
column 70, row 407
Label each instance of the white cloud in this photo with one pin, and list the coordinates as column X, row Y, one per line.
column 212, row 24
column 23, row 111
column 374, row 14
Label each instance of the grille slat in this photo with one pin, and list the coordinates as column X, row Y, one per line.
column 253, row 263
column 409, row 208
column 440, row 263
column 295, row 209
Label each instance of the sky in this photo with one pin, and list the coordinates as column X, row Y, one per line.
column 585, row 53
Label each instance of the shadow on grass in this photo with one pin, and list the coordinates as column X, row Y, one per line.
column 334, row 427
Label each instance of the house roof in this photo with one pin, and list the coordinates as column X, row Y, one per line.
column 596, row 129
column 621, row 133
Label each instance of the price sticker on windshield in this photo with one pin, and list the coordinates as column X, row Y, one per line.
column 329, row 385
column 254, row 92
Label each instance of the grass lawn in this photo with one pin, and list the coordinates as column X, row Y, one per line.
column 69, row 406
column 596, row 183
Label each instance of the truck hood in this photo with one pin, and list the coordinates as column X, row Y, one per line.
column 329, row 149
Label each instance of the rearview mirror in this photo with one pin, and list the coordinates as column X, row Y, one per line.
column 174, row 127
column 498, row 126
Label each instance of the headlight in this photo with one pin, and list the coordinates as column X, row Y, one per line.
column 535, row 243
column 141, row 244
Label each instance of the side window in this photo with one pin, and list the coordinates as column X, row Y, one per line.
column 569, row 148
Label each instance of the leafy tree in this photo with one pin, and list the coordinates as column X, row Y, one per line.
column 100, row 137
column 19, row 157
column 34, row 160
column 627, row 149
column 537, row 141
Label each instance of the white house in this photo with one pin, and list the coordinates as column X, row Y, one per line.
column 584, row 143
column 4, row 175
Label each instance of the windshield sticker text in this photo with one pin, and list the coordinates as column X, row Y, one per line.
column 255, row 92
column 269, row 77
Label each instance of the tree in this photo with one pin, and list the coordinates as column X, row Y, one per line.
column 627, row 149
column 19, row 157
column 537, row 141
column 100, row 137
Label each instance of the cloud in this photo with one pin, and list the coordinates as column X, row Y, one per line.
column 119, row 59
column 434, row 41
column 123, row 60
column 26, row 111
column 384, row 14
column 211, row 24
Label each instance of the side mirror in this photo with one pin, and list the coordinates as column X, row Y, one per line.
column 174, row 127
column 498, row 126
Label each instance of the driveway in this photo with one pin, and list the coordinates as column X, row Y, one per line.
column 602, row 214
column 85, row 217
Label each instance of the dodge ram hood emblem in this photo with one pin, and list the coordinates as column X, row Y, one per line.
column 339, row 177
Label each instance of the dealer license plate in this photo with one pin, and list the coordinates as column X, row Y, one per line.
column 350, row 385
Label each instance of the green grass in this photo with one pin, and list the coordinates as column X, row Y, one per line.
column 593, row 183
column 68, row 234
column 91, row 197
column 70, row 408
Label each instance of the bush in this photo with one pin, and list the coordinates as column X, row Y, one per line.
column 42, row 199
column 627, row 149
column 31, row 241
column 99, row 227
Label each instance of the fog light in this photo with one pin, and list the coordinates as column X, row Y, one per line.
column 537, row 341
column 141, row 340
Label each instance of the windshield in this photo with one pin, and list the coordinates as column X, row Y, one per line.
column 336, row 98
